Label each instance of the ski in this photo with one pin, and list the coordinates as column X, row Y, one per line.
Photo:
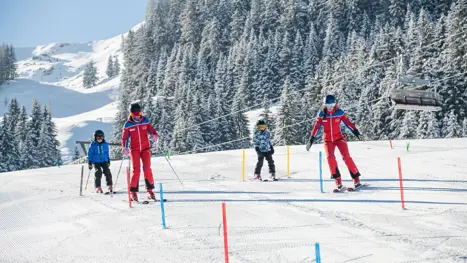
column 352, row 189
column 107, row 193
column 339, row 190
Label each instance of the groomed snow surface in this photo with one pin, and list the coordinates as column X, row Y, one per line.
column 43, row 218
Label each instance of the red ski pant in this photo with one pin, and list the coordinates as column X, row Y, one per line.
column 341, row 144
column 136, row 158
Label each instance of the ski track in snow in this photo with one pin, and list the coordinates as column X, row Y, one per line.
column 43, row 218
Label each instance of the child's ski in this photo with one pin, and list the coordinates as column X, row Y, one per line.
column 352, row 189
column 339, row 190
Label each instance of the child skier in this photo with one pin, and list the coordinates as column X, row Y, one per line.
column 99, row 156
column 330, row 117
column 264, row 149
column 137, row 128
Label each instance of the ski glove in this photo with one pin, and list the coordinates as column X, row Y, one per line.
column 310, row 142
column 90, row 165
column 272, row 150
column 108, row 163
column 357, row 133
column 257, row 150
column 154, row 138
column 125, row 151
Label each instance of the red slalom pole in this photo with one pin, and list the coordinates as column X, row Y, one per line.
column 128, row 183
column 400, row 182
column 224, row 223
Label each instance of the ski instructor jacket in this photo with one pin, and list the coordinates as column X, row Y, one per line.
column 136, row 134
column 330, row 121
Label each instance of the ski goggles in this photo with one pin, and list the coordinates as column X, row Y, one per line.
column 261, row 126
column 329, row 105
column 136, row 114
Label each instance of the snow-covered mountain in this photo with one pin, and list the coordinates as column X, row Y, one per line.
column 53, row 74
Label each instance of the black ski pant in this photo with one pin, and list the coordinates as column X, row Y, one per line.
column 98, row 168
column 259, row 164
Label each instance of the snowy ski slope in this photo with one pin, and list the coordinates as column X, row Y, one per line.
column 43, row 218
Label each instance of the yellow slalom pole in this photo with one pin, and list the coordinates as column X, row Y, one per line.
column 288, row 161
column 243, row 165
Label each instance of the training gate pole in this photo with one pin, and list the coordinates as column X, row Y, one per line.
column 81, row 182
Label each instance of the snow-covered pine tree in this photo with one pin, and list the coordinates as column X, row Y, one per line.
column 110, row 71
column 453, row 129
column 194, row 137
column 13, row 115
column 165, row 126
column 9, row 159
column 116, row 65
column 20, row 131
column 464, row 127
column 267, row 115
column 433, row 128
column 30, row 154
column 90, row 75
column 50, row 145
column 423, row 125
column 240, row 120
column 409, row 126
column 286, row 130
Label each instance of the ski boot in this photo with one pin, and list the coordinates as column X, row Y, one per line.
column 258, row 177
column 110, row 189
column 99, row 190
column 134, row 196
column 151, row 195
column 356, row 179
column 273, row 176
column 339, row 185
column 356, row 182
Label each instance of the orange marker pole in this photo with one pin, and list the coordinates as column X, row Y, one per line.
column 400, row 182
column 224, row 223
column 390, row 144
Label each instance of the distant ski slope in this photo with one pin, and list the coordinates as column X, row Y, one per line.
column 53, row 74
column 42, row 218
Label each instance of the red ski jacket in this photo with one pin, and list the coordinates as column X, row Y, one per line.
column 137, row 132
column 330, row 121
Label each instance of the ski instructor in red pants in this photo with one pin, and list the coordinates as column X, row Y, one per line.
column 135, row 132
column 330, row 118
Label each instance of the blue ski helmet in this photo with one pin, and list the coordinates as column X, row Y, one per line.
column 329, row 102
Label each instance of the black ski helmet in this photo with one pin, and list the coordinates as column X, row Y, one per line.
column 260, row 122
column 98, row 133
column 135, row 107
column 329, row 101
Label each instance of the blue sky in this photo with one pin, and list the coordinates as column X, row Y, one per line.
column 28, row 23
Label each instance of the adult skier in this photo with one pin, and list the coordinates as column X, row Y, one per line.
column 330, row 117
column 264, row 149
column 99, row 156
column 135, row 143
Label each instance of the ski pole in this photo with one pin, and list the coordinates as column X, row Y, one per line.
column 89, row 174
column 119, row 169
column 171, row 167
column 173, row 170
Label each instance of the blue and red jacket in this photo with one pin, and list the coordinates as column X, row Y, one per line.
column 330, row 121
column 136, row 133
column 98, row 152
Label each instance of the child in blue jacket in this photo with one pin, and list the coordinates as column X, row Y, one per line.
column 264, row 149
column 99, row 156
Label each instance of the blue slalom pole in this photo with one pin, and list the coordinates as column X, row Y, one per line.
column 318, row 254
column 321, row 171
column 162, row 205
